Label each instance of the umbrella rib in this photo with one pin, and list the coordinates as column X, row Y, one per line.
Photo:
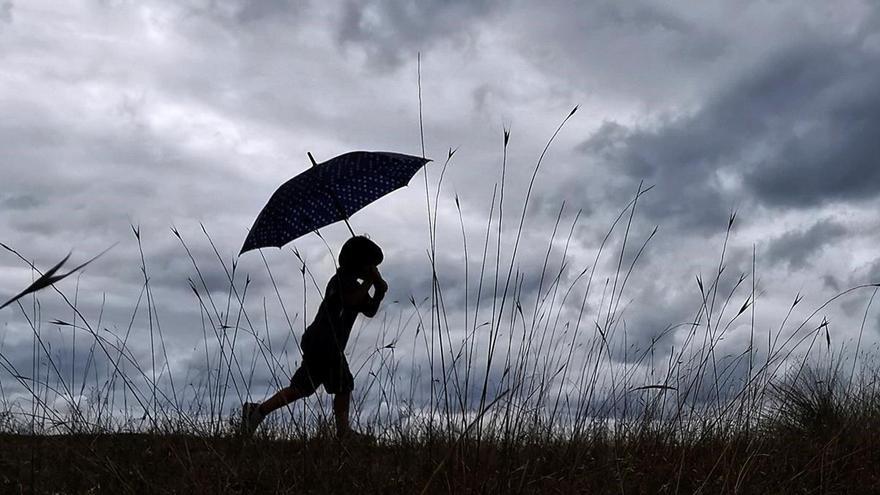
column 338, row 205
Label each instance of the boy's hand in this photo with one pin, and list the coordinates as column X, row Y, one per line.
column 378, row 281
column 366, row 304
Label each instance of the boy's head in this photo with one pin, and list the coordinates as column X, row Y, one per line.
column 359, row 253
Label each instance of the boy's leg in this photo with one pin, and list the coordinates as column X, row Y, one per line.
column 281, row 398
column 340, row 383
column 253, row 414
column 341, row 403
column 303, row 383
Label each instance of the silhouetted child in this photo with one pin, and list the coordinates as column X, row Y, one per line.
column 323, row 343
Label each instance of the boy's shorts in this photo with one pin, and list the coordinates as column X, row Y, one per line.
column 326, row 368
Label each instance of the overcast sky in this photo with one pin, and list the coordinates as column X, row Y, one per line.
column 161, row 114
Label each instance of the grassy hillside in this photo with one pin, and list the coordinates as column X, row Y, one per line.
column 842, row 459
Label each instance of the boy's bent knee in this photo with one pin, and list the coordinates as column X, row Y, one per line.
column 292, row 393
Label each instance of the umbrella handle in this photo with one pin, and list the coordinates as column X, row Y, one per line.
column 349, row 227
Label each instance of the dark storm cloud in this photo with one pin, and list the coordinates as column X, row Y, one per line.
column 679, row 160
column 795, row 248
column 826, row 147
column 798, row 131
column 393, row 32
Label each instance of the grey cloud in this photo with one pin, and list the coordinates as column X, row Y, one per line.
column 243, row 12
column 663, row 314
column 831, row 282
column 678, row 160
column 636, row 14
column 798, row 131
column 481, row 95
column 827, row 146
column 20, row 202
column 866, row 274
column 623, row 51
column 6, row 11
column 391, row 32
column 794, row 248
column 255, row 11
column 692, row 40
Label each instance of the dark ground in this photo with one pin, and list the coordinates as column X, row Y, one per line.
column 841, row 462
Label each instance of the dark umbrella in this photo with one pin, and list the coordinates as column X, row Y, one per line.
column 329, row 192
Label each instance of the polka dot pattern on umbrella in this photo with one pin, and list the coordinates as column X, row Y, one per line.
column 329, row 192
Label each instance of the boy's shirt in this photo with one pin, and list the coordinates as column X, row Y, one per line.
column 332, row 325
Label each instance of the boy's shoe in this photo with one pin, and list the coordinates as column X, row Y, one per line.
column 251, row 417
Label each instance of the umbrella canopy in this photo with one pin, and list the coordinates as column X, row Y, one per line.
column 329, row 192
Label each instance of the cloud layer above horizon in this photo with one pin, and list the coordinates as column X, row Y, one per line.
column 186, row 115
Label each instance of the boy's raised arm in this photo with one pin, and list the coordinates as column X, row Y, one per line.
column 358, row 295
column 371, row 306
